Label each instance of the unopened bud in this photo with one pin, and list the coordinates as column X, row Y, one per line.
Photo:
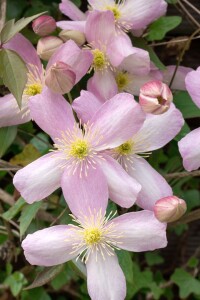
column 44, row 25
column 60, row 78
column 169, row 209
column 47, row 46
column 75, row 35
column 155, row 97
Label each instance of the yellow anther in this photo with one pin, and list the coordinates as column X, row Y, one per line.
column 125, row 148
column 122, row 80
column 99, row 60
column 79, row 149
column 33, row 89
column 115, row 10
column 92, row 236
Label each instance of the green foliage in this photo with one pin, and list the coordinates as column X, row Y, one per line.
column 7, row 136
column 13, row 70
column 28, row 213
column 14, row 210
column 16, row 281
column 184, row 102
column 158, row 29
column 153, row 258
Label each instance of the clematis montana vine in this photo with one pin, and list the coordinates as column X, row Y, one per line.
column 157, row 131
column 77, row 66
column 78, row 150
column 189, row 146
column 94, row 237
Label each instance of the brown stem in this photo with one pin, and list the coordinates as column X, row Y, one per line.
column 182, row 174
column 190, row 217
column 194, row 21
column 2, row 13
column 192, row 6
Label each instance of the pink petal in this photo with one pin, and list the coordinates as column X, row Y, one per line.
column 98, row 5
column 189, row 148
column 69, row 9
column 158, row 130
column 105, row 279
column 123, row 189
column 72, row 25
column 97, row 20
column 50, row 246
column 86, row 106
column 10, row 114
column 85, row 193
column 140, row 13
column 25, row 49
column 179, row 80
column 192, row 82
column 40, row 178
column 51, row 112
column 103, row 85
column 140, row 231
column 154, row 186
column 117, row 120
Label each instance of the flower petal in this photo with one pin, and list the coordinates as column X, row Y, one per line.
column 72, row 25
column 98, row 5
column 103, row 85
column 25, row 49
column 85, row 193
column 140, row 13
column 10, row 114
column 51, row 112
column 97, row 20
column 86, row 106
column 123, row 189
column 189, row 148
column 158, row 130
column 105, row 279
column 117, row 120
column 140, row 231
column 40, row 178
column 69, row 9
column 154, row 186
column 192, row 82
column 179, row 79
column 50, row 246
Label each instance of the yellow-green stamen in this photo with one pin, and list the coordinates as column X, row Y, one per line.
column 99, row 60
column 92, row 235
column 125, row 149
column 122, row 80
column 79, row 149
column 115, row 10
column 33, row 89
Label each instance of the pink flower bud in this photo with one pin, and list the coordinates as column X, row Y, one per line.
column 60, row 78
column 44, row 25
column 77, row 36
column 169, row 209
column 155, row 97
column 47, row 46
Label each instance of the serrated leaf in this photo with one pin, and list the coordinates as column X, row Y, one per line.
column 186, row 283
column 7, row 136
column 158, row 29
column 13, row 70
column 184, row 103
column 27, row 215
column 29, row 154
column 14, row 210
column 11, row 28
column 45, row 276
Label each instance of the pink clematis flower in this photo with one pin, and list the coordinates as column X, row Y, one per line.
column 128, row 14
column 94, row 239
column 189, row 146
column 77, row 66
column 156, row 132
column 77, row 151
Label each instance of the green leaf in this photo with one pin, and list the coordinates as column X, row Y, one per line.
column 36, row 294
column 27, row 215
column 7, row 136
column 193, row 262
column 11, row 28
column 153, row 258
column 126, row 263
column 141, row 43
column 171, row 1
column 14, row 210
column 45, row 276
column 184, row 102
column 158, row 29
column 16, row 281
column 29, row 154
column 186, row 283
column 13, row 70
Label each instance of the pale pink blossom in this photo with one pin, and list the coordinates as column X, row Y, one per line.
column 93, row 237
column 179, row 79
column 169, row 209
column 77, row 151
column 155, row 133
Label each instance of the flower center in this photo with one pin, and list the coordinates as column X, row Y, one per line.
column 33, row 89
column 79, row 149
column 122, row 80
column 115, row 10
column 125, row 148
column 99, row 60
column 92, row 236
